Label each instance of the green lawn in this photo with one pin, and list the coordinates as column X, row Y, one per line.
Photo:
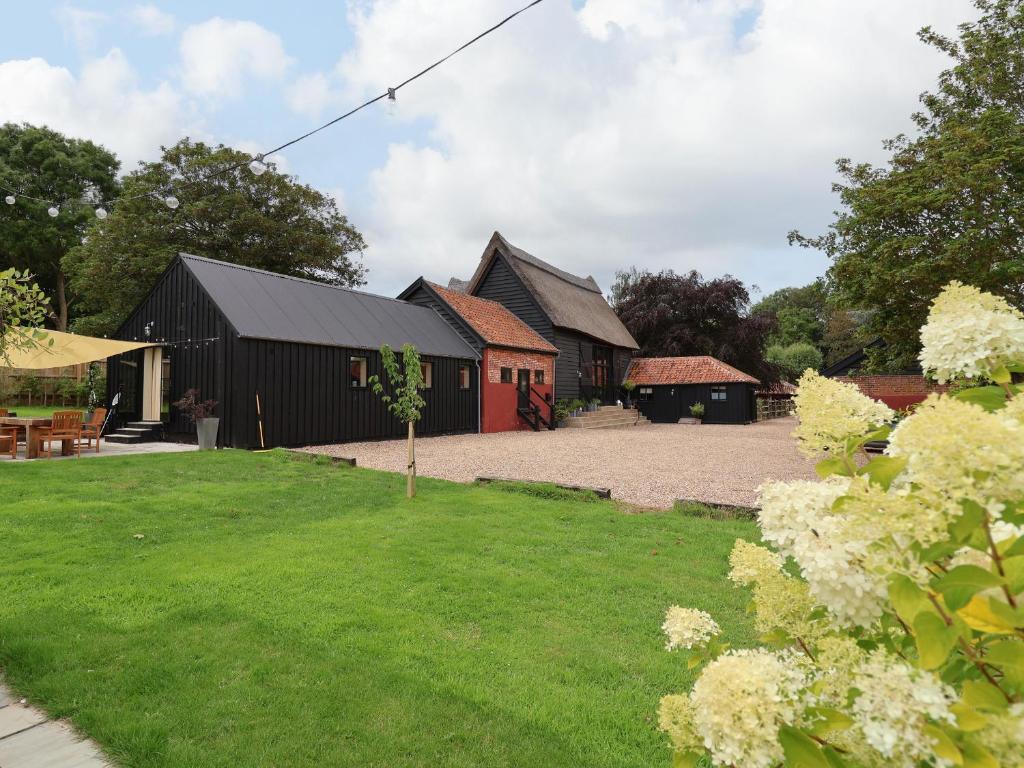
column 240, row 609
column 39, row 410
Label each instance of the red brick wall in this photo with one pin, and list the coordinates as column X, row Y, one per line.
column 896, row 391
column 499, row 401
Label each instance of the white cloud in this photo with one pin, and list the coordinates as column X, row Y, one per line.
column 85, row 105
column 219, row 55
column 152, row 21
column 648, row 132
column 79, row 25
column 310, row 94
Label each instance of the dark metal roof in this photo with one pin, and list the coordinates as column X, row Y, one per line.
column 265, row 305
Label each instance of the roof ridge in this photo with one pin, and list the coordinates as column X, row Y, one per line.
column 259, row 271
column 586, row 283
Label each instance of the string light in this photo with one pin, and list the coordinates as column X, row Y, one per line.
column 101, row 213
column 10, row 200
column 392, row 103
column 54, row 211
column 257, row 165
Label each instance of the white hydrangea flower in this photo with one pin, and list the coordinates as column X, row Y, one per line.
column 1004, row 737
column 688, row 627
column 970, row 332
column 740, row 701
column 675, row 717
column 895, row 704
column 833, row 565
column 957, row 450
column 789, row 509
column 751, row 563
column 831, row 412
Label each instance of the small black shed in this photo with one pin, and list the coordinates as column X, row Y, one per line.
column 668, row 386
column 307, row 349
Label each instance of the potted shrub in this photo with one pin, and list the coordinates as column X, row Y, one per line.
column 576, row 406
column 697, row 412
column 562, row 412
column 628, row 386
column 594, row 405
column 199, row 413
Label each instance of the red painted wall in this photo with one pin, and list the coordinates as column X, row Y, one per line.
column 896, row 391
column 499, row 401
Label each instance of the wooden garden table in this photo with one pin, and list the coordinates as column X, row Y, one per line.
column 31, row 426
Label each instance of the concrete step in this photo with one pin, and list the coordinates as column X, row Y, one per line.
column 126, row 437
column 608, row 420
column 144, row 424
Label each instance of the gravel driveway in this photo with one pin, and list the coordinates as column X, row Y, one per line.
column 650, row 466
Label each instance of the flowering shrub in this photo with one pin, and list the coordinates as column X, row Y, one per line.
column 901, row 642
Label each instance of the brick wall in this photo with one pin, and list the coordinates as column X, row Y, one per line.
column 896, row 391
column 508, row 358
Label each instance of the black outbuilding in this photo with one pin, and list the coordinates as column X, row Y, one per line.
column 287, row 359
column 668, row 386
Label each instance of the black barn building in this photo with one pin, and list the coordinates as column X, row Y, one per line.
column 668, row 386
column 594, row 347
column 305, row 349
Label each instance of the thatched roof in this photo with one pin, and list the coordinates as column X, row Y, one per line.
column 569, row 301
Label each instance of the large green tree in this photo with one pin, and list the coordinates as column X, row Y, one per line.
column 40, row 163
column 950, row 202
column 267, row 221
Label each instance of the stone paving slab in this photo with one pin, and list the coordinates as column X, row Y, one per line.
column 29, row 740
column 49, row 745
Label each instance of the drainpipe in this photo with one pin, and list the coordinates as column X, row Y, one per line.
column 479, row 396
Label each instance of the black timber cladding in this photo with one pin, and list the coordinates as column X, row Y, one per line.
column 667, row 403
column 304, row 387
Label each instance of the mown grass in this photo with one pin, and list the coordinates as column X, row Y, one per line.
column 238, row 609
column 39, row 410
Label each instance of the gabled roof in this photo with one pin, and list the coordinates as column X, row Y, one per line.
column 492, row 322
column 699, row 369
column 266, row 305
column 569, row 301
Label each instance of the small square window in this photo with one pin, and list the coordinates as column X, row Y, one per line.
column 357, row 372
column 463, row 377
column 646, row 393
column 506, row 375
column 718, row 393
column 538, row 376
column 427, row 373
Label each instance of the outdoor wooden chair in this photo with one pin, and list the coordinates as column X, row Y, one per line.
column 3, row 412
column 91, row 429
column 9, row 441
column 65, row 425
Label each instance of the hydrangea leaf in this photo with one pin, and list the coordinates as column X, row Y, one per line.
column 685, row 759
column 968, row 718
column 934, row 640
column 1013, row 567
column 827, row 719
column 977, row 614
column 834, row 466
column 990, row 398
column 943, row 746
column 962, row 583
column 971, row 519
column 801, row 750
column 1008, row 656
column 884, row 469
column 976, row 756
column 983, row 695
column 908, row 599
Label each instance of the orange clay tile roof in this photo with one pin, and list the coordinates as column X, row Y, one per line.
column 493, row 322
column 701, row 369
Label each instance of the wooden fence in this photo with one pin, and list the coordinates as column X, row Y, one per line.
column 774, row 407
column 49, row 386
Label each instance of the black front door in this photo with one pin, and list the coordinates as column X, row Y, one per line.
column 601, row 374
column 523, row 381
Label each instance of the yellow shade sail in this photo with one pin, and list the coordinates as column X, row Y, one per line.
column 66, row 349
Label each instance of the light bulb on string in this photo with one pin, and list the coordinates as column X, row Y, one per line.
column 257, row 166
column 54, row 211
column 391, row 104
column 171, row 202
column 10, row 200
column 101, row 213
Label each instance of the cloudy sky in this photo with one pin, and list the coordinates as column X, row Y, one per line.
column 597, row 134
